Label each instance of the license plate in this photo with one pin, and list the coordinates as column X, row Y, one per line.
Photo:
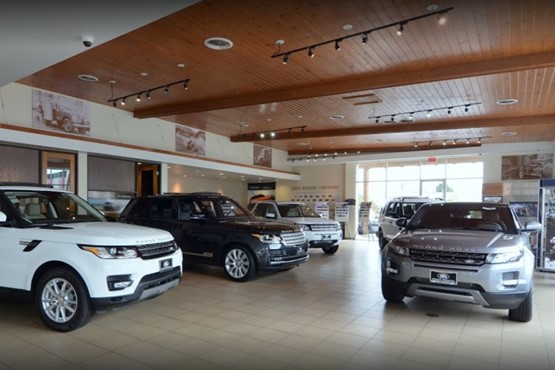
column 443, row 277
column 165, row 264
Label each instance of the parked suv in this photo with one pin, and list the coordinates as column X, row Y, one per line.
column 214, row 229
column 60, row 252
column 394, row 209
column 464, row 252
column 320, row 232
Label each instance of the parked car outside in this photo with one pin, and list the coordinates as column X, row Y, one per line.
column 394, row 209
column 320, row 232
column 62, row 254
column 464, row 252
column 214, row 229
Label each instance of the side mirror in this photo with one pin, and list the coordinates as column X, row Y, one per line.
column 3, row 217
column 401, row 222
column 271, row 215
column 532, row 226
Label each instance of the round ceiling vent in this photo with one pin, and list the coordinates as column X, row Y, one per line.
column 88, row 78
column 218, row 43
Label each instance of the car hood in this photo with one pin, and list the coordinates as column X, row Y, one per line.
column 472, row 241
column 261, row 226
column 98, row 233
column 308, row 220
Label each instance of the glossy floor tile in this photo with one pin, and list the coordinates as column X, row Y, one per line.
column 325, row 314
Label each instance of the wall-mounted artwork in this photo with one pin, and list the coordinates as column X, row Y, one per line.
column 527, row 167
column 60, row 113
column 190, row 140
column 262, row 156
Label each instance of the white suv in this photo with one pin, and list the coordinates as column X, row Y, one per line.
column 320, row 232
column 62, row 254
column 394, row 209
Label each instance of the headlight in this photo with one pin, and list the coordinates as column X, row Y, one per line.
column 505, row 257
column 111, row 252
column 267, row 238
column 401, row 251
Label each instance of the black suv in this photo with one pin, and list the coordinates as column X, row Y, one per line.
column 214, row 229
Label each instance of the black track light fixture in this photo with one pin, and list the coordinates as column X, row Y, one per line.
column 428, row 111
column 399, row 24
column 148, row 93
column 365, row 38
column 285, row 58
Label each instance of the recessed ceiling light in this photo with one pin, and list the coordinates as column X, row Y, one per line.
column 280, row 42
column 88, row 78
column 180, row 65
column 506, row 101
column 144, row 74
column 347, row 27
column 432, row 7
column 299, row 116
column 218, row 43
column 337, row 116
column 508, row 133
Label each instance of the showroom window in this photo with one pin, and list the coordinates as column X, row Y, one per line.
column 452, row 179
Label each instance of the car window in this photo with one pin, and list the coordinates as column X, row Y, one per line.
column 261, row 210
column 39, row 207
column 391, row 210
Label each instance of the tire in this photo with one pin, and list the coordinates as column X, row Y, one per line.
column 67, row 125
column 239, row 264
column 382, row 241
column 330, row 249
column 389, row 292
column 523, row 312
column 63, row 300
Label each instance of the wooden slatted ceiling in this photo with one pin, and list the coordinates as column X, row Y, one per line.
column 464, row 57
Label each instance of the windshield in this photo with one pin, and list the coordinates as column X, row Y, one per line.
column 297, row 210
column 469, row 216
column 38, row 207
column 225, row 209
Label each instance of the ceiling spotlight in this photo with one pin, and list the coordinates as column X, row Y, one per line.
column 262, row 135
column 466, row 107
column 148, row 95
column 401, row 29
column 337, row 46
column 139, row 97
column 186, row 84
column 454, row 141
column 449, row 110
column 429, row 114
column 285, row 58
column 441, row 19
column 468, row 141
column 272, row 134
column 392, row 118
column 365, row 38
column 123, row 101
column 167, row 89
column 444, row 142
column 479, row 140
column 377, row 119
column 416, row 145
column 310, row 52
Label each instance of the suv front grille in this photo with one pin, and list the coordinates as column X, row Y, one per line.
column 451, row 258
column 323, row 228
column 149, row 251
column 293, row 239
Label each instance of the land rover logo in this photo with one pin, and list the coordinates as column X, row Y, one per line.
column 443, row 276
column 166, row 264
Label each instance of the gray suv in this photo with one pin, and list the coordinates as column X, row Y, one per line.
column 464, row 252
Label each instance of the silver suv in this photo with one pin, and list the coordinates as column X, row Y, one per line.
column 320, row 232
column 394, row 209
column 464, row 252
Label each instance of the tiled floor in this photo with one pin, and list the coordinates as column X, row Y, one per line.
column 325, row 314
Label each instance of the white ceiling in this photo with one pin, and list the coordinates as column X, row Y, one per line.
column 38, row 34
